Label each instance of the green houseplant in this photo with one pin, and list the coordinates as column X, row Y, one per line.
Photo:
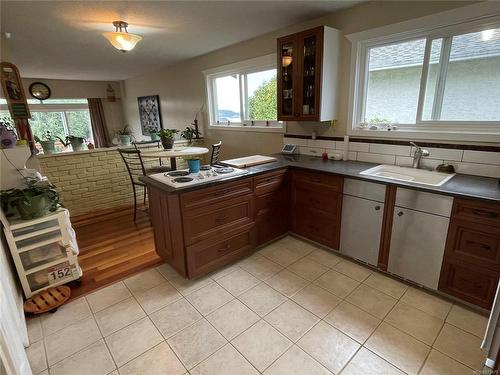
column 167, row 137
column 125, row 135
column 153, row 133
column 35, row 200
column 75, row 142
column 190, row 133
column 48, row 143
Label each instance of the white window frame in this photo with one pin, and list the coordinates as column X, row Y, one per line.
column 257, row 64
column 458, row 21
column 60, row 107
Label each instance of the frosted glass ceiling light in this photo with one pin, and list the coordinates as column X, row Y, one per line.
column 121, row 39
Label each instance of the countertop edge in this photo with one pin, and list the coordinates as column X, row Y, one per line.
column 456, row 187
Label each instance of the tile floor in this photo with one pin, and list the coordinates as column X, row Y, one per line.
column 291, row 308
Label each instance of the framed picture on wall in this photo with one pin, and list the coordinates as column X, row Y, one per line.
column 149, row 113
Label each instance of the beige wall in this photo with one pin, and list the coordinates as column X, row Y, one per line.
column 74, row 89
column 182, row 87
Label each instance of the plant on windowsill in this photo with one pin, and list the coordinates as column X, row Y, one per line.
column 8, row 137
column 190, row 133
column 167, row 137
column 35, row 200
column 48, row 143
column 125, row 135
column 75, row 142
column 153, row 133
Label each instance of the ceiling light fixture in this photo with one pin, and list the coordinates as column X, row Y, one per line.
column 121, row 39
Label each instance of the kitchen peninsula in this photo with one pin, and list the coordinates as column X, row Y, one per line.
column 202, row 227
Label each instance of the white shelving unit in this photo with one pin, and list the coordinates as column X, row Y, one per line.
column 44, row 251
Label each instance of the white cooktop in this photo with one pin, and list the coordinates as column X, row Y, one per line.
column 204, row 176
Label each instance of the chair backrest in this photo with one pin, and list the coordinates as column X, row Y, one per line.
column 214, row 159
column 133, row 162
column 146, row 144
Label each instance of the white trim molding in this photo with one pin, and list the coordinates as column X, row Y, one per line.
column 462, row 20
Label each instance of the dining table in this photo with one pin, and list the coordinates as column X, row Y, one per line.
column 174, row 153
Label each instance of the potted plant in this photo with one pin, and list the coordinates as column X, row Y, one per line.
column 153, row 133
column 37, row 199
column 75, row 142
column 167, row 137
column 189, row 134
column 125, row 135
column 48, row 143
column 7, row 135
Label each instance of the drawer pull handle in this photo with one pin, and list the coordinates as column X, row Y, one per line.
column 220, row 219
column 400, row 213
column 483, row 246
column 485, row 213
column 223, row 249
column 315, row 179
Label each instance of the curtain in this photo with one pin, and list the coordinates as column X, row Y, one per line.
column 101, row 137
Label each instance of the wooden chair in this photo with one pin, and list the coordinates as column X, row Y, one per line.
column 148, row 146
column 214, row 158
column 135, row 167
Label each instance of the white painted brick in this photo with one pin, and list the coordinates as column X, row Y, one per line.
column 353, row 146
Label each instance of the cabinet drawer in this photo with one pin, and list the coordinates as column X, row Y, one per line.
column 271, row 201
column 269, row 182
column 216, row 219
column 477, row 211
column 212, row 254
column 321, row 200
column 318, row 226
column 475, row 243
column 216, row 194
column 469, row 283
column 320, row 180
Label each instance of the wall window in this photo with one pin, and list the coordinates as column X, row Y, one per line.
column 61, row 117
column 243, row 95
column 443, row 80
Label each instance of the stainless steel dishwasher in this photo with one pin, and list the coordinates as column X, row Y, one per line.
column 419, row 230
column 362, row 214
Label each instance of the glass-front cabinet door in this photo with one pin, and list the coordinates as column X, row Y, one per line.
column 287, row 81
column 310, row 46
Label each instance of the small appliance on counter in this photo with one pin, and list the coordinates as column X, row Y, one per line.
column 289, row 149
column 207, row 173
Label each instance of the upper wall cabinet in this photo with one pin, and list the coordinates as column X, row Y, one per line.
column 308, row 70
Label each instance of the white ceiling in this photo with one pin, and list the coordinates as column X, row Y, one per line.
column 55, row 39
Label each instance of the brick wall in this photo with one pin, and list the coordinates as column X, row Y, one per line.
column 91, row 181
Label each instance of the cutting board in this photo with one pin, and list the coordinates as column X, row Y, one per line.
column 249, row 161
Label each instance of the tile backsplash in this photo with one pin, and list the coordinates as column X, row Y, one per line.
column 480, row 163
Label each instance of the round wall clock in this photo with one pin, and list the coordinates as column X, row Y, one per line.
column 39, row 91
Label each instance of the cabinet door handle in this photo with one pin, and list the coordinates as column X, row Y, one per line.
column 485, row 213
column 481, row 245
column 377, row 208
column 400, row 213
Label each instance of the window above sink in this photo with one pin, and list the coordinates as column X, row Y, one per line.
column 422, row 80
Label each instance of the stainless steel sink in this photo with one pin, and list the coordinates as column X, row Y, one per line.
column 418, row 176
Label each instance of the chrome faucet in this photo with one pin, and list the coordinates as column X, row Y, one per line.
column 417, row 155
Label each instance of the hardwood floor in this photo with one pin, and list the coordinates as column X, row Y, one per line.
column 113, row 247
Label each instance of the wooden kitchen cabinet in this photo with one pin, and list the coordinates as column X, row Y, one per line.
column 471, row 266
column 271, row 206
column 317, row 207
column 308, row 70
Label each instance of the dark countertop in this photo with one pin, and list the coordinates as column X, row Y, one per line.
column 460, row 185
